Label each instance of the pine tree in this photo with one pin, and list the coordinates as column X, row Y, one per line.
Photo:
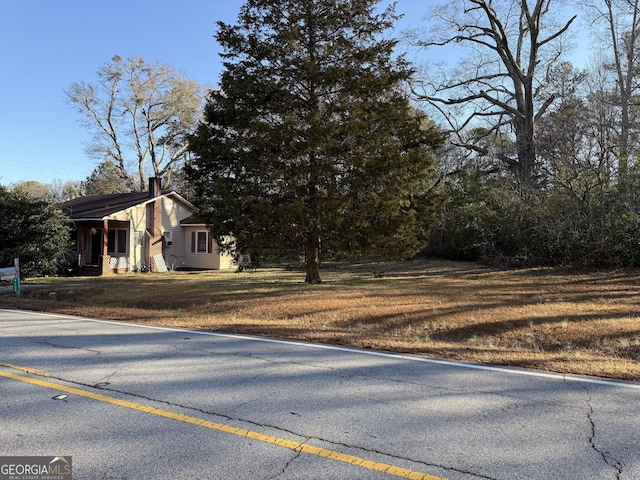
column 310, row 145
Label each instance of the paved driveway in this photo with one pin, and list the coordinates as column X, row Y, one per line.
column 132, row 402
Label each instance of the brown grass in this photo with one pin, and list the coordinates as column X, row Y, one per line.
column 558, row 320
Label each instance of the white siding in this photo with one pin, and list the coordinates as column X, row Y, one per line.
column 172, row 212
column 178, row 254
column 211, row 260
column 136, row 217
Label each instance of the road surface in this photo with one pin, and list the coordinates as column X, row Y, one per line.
column 135, row 402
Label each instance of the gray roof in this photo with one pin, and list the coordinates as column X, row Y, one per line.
column 98, row 207
column 192, row 220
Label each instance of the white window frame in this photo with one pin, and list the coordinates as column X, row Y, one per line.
column 116, row 242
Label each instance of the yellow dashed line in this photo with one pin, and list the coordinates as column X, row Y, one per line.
column 282, row 442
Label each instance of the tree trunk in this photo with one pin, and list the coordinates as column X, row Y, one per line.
column 525, row 127
column 526, row 155
column 312, row 260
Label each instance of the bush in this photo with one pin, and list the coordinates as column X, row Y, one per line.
column 33, row 231
column 492, row 220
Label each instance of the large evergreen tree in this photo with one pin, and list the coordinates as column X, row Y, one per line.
column 310, row 145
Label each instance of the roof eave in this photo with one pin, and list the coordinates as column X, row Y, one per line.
column 88, row 219
column 112, row 215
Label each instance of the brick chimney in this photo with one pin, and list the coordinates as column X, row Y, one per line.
column 155, row 187
column 155, row 242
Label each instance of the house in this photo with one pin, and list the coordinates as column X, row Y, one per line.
column 127, row 231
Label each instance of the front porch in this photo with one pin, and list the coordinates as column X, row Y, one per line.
column 104, row 247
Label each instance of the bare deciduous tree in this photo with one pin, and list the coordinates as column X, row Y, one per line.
column 139, row 114
column 619, row 25
column 502, row 84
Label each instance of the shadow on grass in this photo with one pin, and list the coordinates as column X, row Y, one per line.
column 455, row 310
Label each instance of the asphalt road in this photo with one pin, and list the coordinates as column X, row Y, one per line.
column 132, row 402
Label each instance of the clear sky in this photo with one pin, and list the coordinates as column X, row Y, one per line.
column 48, row 44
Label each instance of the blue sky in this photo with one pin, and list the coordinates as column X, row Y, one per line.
column 48, row 44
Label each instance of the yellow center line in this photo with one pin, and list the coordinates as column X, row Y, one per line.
column 282, row 442
column 40, row 373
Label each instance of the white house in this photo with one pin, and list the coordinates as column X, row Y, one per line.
column 127, row 231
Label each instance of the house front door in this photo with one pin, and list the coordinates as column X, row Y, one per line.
column 93, row 246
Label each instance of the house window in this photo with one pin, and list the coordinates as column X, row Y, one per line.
column 201, row 242
column 117, row 241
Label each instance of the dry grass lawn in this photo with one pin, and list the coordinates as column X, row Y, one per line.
column 584, row 322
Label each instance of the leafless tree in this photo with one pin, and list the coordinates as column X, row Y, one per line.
column 573, row 144
column 502, row 84
column 618, row 24
column 139, row 114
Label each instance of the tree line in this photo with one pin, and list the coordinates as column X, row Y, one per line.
column 321, row 141
column 542, row 164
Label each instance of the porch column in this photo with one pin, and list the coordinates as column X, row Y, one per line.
column 80, row 242
column 105, row 260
